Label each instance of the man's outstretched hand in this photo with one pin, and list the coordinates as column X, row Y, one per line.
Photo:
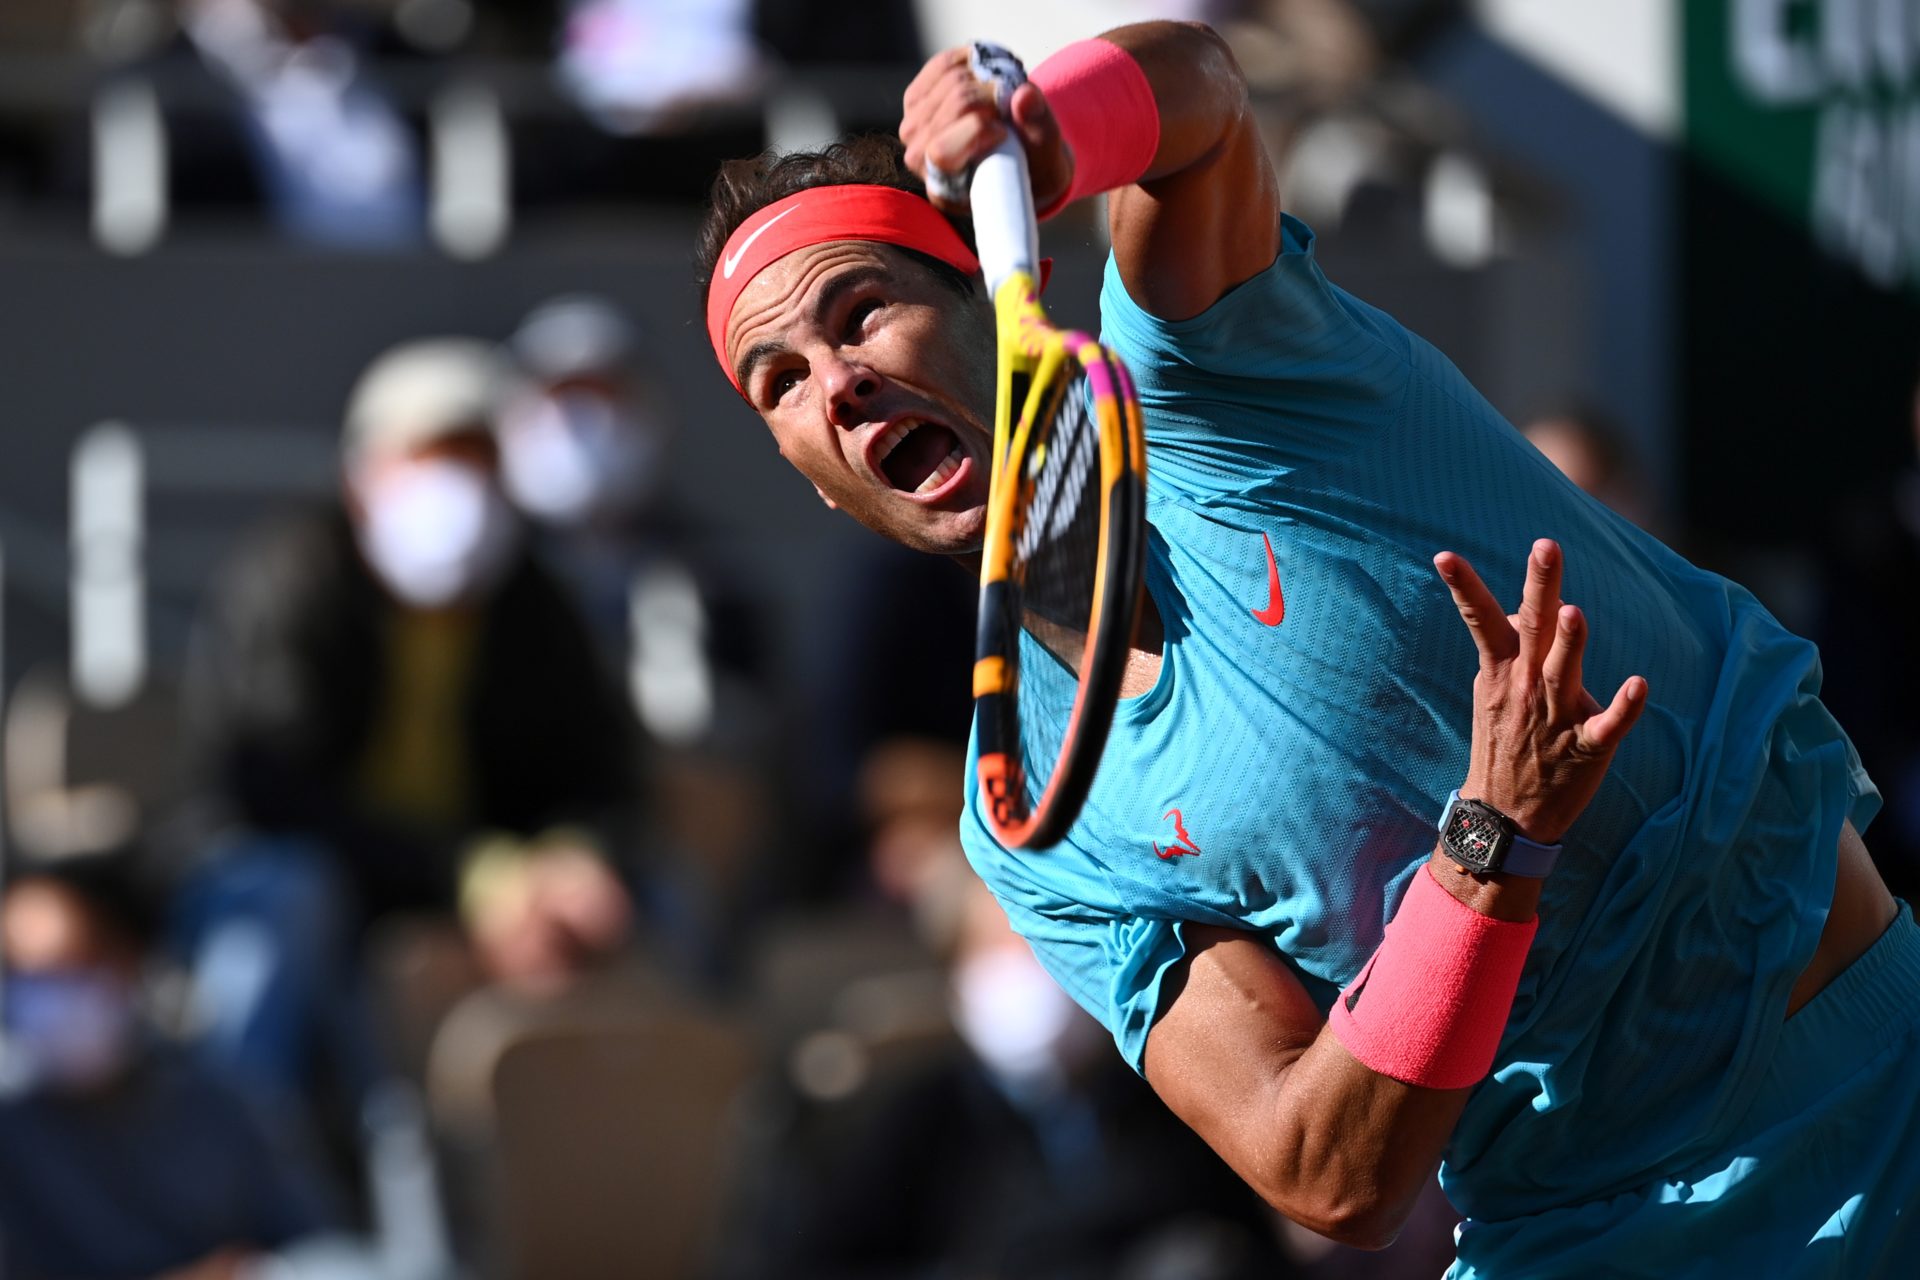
column 1541, row 742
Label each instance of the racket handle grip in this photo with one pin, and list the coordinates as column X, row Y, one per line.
column 1004, row 229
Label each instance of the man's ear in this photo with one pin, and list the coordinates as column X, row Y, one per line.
column 831, row 504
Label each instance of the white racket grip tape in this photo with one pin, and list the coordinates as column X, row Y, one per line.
column 1004, row 229
column 949, row 187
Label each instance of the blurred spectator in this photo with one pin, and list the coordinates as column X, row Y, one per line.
column 120, row 1155
column 584, row 445
column 396, row 709
column 1594, row 453
column 272, row 105
column 585, row 449
column 641, row 66
column 1869, row 632
column 908, row 789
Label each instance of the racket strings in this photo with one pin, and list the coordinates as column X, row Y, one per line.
column 1055, row 557
column 1058, row 548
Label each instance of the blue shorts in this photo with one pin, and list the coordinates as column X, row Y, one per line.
column 1822, row 1179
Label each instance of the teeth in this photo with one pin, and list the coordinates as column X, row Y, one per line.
column 892, row 437
column 943, row 472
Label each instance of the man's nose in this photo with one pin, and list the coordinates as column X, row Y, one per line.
column 850, row 389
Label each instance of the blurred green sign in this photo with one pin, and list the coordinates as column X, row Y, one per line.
column 1814, row 106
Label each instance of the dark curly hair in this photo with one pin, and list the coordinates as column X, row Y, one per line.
column 747, row 185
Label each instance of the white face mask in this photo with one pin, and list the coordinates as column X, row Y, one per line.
column 573, row 455
column 436, row 532
column 74, row 1031
column 1013, row 1014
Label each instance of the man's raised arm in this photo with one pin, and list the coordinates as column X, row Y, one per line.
column 1339, row 1124
column 1157, row 114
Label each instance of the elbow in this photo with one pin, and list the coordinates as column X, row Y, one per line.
column 1361, row 1227
column 1216, row 66
column 1359, row 1219
column 1215, row 55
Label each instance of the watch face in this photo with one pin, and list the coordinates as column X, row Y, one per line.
column 1475, row 837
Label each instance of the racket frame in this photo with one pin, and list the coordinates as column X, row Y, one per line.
column 1032, row 375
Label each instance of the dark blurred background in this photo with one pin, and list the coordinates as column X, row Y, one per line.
column 468, row 811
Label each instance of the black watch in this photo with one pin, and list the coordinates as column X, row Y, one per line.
column 1483, row 840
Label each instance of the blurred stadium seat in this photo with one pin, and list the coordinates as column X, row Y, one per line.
column 615, row 1146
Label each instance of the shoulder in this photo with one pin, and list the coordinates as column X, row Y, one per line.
column 1284, row 322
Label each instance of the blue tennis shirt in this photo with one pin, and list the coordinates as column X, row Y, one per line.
column 1307, row 458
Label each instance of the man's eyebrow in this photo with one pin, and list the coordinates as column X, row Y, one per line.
column 823, row 302
column 759, row 351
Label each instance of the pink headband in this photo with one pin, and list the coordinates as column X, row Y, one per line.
column 815, row 216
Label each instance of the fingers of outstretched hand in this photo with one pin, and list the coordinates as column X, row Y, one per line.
column 1536, row 623
column 1560, row 673
column 1486, row 621
column 1604, row 732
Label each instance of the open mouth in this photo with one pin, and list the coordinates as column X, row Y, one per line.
column 918, row 457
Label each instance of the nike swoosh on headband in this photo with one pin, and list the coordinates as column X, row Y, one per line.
column 732, row 260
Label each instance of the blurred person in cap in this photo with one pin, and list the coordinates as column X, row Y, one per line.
column 396, row 708
column 120, row 1154
column 585, row 439
column 584, row 444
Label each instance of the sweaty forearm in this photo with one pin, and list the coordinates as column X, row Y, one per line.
column 1411, row 1035
column 1244, row 1057
column 1340, row 1123
column 1349, row 1150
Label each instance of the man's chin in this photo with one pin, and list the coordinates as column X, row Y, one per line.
column 947, row 546
column 956, row 533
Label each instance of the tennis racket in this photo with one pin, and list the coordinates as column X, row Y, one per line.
column 1066, row 531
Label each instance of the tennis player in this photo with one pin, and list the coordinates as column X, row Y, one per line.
column 1662, row 1022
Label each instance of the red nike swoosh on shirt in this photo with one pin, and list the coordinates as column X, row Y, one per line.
column 1276, row 603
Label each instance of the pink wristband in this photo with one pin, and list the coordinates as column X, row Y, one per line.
column 1430, row 1006
column 1106, row 112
